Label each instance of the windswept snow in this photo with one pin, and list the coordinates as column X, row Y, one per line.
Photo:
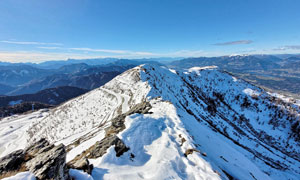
column 21, row 176
column 250, row 92
column 79, row 175
column 236, row 129
column 13, row 135
column 198, row 69
column 154, row 141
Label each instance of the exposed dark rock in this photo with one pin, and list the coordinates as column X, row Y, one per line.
column 12, row 161
column 38, row 147
column 117, row 123
column 50, row 164
column 190, row 151
column 44, row 160
column 81, row 164
column 111, row 138
column 99, row 149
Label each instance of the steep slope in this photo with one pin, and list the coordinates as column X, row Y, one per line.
column 201, row 124
column 52, row 96
column 5, row 89
column 18, row 74
column 264, row 70
column 73, row 75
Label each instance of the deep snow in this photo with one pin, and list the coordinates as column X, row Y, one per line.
column 239, row 129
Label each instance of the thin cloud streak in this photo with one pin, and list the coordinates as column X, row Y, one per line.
column 114, row 51
column 229, row 43
column 30, row 43
column 289, row 47
column 27, row 56
column 38, row 56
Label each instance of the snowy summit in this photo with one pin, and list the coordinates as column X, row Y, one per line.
column 152, row 122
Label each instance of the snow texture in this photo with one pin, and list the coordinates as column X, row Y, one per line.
column 21, row 176
column 236, row 129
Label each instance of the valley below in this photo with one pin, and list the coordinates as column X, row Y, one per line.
column 153, row 122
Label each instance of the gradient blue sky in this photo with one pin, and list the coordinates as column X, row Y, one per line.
column 37, row 30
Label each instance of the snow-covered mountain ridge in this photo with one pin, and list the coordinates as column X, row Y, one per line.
column 241, row 131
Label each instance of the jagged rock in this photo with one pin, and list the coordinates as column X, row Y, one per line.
column 38, row 147
column 99, row 149
column 120, row 147
column 111, row 138
column 50, row 164
column 141, row 108
column 44, row 160
column 12, row 161
column 81, row 164
column 190, row 151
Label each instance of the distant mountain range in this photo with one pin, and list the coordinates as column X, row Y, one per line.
column 53, row 96
column 272, row 72
column 152, row 122
column 17, row 79
column 24, row 82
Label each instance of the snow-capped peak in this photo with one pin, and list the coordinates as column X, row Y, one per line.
column 203, row 124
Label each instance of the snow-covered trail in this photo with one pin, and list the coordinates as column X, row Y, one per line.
column 224, row 118
column 154, row 141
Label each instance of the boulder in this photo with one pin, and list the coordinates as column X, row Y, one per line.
column 81, row 164
column 12, row 161
column 44, row 160
column 49, row 164
column 99, row 149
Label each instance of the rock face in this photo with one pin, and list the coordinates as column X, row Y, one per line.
column 49, row 164
column 81, row 164
column 44, row 160
column 99, row 149
column 110, row 139
column 12, row 161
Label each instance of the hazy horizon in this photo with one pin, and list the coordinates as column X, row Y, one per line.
column 35, row 31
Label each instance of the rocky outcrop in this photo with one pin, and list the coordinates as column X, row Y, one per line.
column 81, row 164
column 99, row 149
column 49, row 164
column 44, row 160
column 111, row 138
column 12, row 162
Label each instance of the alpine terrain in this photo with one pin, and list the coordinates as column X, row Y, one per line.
column 152, row 122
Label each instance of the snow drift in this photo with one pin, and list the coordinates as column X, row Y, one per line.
column 203, row 124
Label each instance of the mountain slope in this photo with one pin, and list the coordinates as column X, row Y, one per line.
column 77, row 75
column 5, row 89
column 52, row 96
column 202, row 123
column 264, row 70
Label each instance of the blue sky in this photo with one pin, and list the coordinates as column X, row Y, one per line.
column 35, row 30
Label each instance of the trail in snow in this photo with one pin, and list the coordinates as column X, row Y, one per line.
column 215, row 113
column 13, row 131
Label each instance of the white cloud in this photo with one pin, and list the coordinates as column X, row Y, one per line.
column 30, row 43
column 289, row 47
column 27, row 56
column 38, row 56
column 229, row 43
